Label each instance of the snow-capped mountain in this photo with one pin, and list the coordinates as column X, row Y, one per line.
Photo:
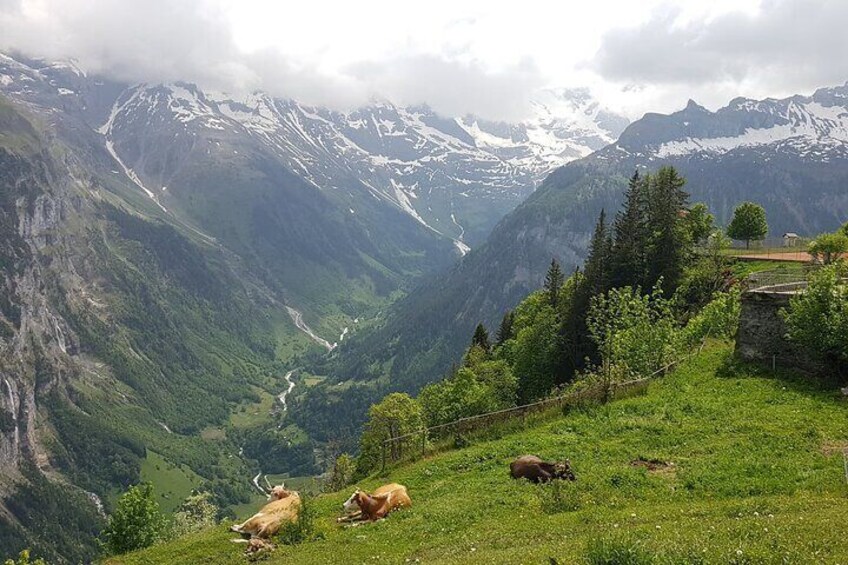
column 789, row 155
column 807, row 126
column 455, row 175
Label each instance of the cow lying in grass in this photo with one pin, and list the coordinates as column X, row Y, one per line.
column 364, row 507
column 536, row 470
column 284, row 507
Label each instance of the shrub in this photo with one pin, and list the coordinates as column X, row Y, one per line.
column 817, row 319
column 632, row 331
column 303, row 528
column 828, row 247
column 342, row 474
column 24, row 559
column 394, row 416
column 719, row 318
column 136, row 523
column 196, row 513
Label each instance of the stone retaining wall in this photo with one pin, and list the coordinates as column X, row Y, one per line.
column 762, row 332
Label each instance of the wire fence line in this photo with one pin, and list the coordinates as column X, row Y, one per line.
column 415, row 444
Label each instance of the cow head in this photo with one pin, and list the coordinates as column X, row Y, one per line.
column 352, row 503
column 562, row 470
column 279, row 492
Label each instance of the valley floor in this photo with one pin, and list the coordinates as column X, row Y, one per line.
column 755, row 475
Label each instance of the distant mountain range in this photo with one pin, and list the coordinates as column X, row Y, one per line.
column 167, row 254
column 790, row 155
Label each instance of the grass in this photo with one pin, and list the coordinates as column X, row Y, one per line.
column 172, row 484
column 247, row 415
column 744, row 268
column 751, row 481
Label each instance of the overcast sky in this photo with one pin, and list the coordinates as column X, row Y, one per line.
column 459, row 56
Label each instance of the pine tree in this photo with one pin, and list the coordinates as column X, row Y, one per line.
column 630, row 236
column 481, row 338
column 553, row 282
column 505, row 330
column 668, row 247
column 598, row 262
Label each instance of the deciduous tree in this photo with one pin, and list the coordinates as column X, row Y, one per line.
column 748, row 223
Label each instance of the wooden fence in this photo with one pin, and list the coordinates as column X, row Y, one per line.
column 415, row 444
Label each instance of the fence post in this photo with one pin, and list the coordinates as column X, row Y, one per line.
column 423, row 441
column 383, row 468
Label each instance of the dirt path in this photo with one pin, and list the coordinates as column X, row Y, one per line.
column 793, row 257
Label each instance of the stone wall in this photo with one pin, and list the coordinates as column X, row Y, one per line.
column 762, row 333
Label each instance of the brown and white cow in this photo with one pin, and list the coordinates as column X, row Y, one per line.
column 365, row 507
column 536, row 470
column 284, row 507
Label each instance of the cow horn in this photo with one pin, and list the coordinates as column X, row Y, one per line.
column 267, row 483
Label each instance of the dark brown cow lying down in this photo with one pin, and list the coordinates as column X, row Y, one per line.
column 536, row 470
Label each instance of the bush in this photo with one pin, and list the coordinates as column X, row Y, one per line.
column 719, row 318
column 560, row 496
column 633, row 332
column 342, row 474
column 828, row 247
column 394, row 416
column 817, row 319
column 23, row 559
column 136, row 523
column 303, row 528
column 196, row 513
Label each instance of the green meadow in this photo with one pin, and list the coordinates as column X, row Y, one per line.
column 745, row 467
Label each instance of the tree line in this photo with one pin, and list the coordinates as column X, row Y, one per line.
column 649, row 273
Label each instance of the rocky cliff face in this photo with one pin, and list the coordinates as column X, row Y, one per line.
column 108, row 340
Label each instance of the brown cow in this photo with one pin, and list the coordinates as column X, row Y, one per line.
column 536, row 470
column 284, row 507
column 377, row 505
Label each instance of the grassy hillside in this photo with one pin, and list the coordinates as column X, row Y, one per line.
column 755, row 474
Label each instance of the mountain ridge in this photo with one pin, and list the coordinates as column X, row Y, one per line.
column 799, row 178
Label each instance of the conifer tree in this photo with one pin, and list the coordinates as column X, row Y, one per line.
column 630, row 236
column 505, row 330
column 668, row 246
column 598, row 262
column 553, row 282
column 481, row 338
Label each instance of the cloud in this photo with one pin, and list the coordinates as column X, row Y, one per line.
column 193, row 41
column 785, row 46
column 453, row 87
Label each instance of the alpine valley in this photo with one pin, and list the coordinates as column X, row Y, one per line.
column 790, row 155
column 170, row 255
